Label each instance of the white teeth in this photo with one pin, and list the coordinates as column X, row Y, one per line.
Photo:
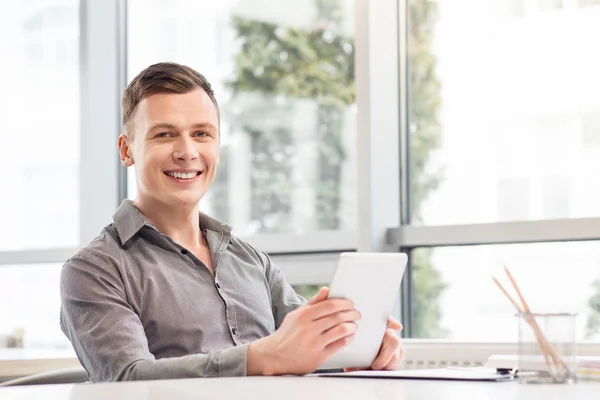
column 182, row 175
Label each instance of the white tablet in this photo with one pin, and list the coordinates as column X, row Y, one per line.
column 372, row 282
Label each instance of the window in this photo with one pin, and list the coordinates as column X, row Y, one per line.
column 556, row 198
column 498, row 117
column 308, row 291
column 30, row 300
column 513, row 8
column 550, row 5
column 513, row 199
column 591, row 129
column 285, row 84
column 39, row 155
column 491, row 101
column 503, row 168
column 459, row 301
column 39, row 165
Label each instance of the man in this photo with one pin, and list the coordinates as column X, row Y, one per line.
column 167, row 292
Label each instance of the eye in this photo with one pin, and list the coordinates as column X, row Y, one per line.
column 163, row 135
column 201, row 134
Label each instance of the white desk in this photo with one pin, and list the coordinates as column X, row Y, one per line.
column 303, row 388
column 15, row 363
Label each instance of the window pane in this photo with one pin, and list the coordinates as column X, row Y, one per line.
column 30, row 300
column 454, row 296
column 503, row 112
column 285, row 84
column 307, row 291
column 39, row 151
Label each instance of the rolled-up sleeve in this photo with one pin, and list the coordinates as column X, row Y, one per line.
column 108, row 336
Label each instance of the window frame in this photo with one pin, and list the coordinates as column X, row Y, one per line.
column 101, row 43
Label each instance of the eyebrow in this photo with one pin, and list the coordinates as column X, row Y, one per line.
column 165, row 125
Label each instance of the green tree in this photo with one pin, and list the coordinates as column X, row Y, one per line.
column 318, row 63
column 424, row 135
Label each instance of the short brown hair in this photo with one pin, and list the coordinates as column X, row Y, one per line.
column 164, row 77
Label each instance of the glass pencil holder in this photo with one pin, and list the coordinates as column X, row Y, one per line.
column 547, row 348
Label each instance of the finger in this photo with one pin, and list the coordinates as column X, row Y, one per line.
column 337, row 333
column 329, row 321
column 319, row 297
column 381, row 361
column 328, row 307
column 337, row 345
column 393, row 363
column 401, row 352
column 389, row 346
column 394, row 324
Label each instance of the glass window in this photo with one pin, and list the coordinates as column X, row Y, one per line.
column 513, row 196
column 550, row 5
column 39, row 154
column 455, row 298
column 285, row 84
column 555, row 194
column 308, row 291
column 30, row 305
column 511, row 8
column 492, row 108
column 591, row 129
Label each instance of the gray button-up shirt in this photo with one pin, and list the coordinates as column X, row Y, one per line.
column 137, row 306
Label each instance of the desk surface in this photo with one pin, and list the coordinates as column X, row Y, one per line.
column 302, row 388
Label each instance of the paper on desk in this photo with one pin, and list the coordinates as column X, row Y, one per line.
column 455, row 374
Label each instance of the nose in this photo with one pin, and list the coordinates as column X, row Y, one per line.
column 185, row 149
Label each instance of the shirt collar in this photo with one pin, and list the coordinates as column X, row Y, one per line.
column 129, row 221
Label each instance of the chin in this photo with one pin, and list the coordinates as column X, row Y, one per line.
column 180, row 199
column 185, row 201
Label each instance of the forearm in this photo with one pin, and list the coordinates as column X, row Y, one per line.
column 222, row 363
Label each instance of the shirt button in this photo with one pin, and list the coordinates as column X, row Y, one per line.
column 234, row 331
column 184, row 251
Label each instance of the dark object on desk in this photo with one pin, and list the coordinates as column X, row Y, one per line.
column 445, row 374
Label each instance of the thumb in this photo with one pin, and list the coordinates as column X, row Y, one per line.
column 319, row 297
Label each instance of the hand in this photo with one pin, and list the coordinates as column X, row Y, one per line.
column 391, row 352
column 307, row 337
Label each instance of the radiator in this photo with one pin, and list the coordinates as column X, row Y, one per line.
column 421, row 353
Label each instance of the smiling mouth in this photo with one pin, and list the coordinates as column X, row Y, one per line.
column 183, row 175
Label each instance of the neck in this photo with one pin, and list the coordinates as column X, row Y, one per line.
column 182, row 224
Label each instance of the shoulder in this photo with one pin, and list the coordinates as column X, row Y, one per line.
column 103, row 252
column 249, row 253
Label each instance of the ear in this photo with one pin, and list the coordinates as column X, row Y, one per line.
column 125, row 151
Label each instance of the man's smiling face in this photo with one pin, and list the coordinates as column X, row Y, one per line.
column 174, row 147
